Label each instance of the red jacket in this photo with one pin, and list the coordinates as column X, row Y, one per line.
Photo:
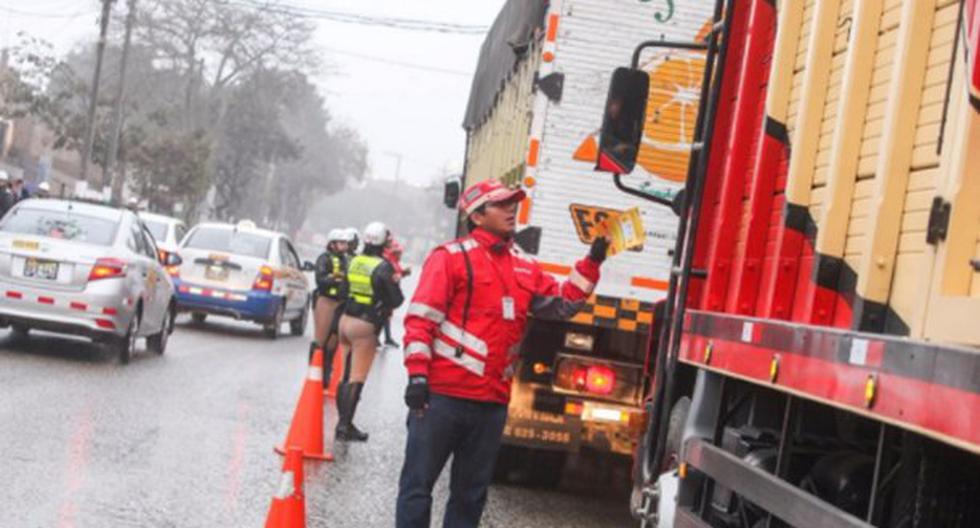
column 475, row 360
column 393, row 254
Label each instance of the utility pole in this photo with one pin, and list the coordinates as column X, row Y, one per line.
column 96, row 78
column 119, row 178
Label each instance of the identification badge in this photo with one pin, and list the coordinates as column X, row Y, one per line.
column 508, row 306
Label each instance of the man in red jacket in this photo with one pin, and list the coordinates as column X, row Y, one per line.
column 462, row 334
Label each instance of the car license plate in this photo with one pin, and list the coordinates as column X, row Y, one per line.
column 566, row 435
column 41, row 269
column 216, row 273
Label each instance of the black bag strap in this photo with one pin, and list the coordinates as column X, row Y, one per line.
column 469, row 293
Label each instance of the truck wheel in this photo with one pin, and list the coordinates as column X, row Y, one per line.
column 507, row 462
column 675, row 431
column 198, row 317
column 529, row 467
column 19, row 331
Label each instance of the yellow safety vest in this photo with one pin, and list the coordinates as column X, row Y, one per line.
column 359, row 273
column 334, row 289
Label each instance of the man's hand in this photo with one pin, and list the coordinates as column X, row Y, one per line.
column 598, row 250
column 417, row 393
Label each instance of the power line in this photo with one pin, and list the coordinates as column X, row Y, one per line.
column 410, row 24
column 18, row 12
column 401, row 64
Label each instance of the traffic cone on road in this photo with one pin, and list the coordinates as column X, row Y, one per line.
column 288, row 509
column 306, row 430
column 336, row 373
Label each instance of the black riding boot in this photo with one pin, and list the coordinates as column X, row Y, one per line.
column 328, row 367
column 348, row 395
column 313, row 346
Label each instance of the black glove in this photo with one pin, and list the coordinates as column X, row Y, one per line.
column 598, row 250
column 417, row 393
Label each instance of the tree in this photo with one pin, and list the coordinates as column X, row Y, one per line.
column 171, row 168
column 252, row 141
column 331, row 158
column 214, row 43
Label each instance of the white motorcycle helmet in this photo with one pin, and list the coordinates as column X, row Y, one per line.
column 376, row 234
column 335, row 235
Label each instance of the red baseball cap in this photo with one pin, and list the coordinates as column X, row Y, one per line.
column 487, row 191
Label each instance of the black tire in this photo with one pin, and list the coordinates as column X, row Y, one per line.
column 675, row 430
column 158, row 342
column 198, row 317
column 298, row 326
column 124, row 347
column 529, row 467
column 271, row 329
column 19, row 331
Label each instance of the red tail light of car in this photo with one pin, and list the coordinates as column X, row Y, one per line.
column 107, row 268
column 264, row 280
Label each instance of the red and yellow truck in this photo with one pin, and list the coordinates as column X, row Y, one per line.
column 820, row 363
column 533, row 116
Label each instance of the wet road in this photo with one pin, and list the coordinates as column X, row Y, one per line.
column 185, row 440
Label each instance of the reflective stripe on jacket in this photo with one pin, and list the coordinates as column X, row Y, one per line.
column 331, row 275
column 473, row 359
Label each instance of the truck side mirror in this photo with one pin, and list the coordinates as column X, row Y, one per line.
column 622, row 123
column 450, row 193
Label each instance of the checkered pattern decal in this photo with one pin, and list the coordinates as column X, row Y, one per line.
column 611, row 312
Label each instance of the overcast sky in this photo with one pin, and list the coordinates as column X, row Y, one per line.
column 402, row 111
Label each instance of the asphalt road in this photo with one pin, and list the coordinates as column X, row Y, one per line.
column 185, row 440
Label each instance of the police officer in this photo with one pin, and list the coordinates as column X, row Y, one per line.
column 353, row 240
column 462, row 333
column 373, row 295
column 331, row 289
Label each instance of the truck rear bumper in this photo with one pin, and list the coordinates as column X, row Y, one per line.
column 569, row 423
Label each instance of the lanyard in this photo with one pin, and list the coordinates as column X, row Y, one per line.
column 497, row 271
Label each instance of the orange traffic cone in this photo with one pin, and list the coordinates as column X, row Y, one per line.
column 306, row 430
column 288, row 509
column 336, row 373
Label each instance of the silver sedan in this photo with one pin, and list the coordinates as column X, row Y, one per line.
column 83, row 269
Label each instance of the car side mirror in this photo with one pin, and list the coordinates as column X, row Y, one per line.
column 622, row 123
column 172, row 259
column 308, row 266
column 450, row 193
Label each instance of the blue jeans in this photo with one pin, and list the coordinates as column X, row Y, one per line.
column 468, row 430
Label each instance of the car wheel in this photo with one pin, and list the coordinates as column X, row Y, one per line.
column 272, row 327
column 198, row 317
column 124, row 347
column 19, row 331
column 298, row 326
column 158, row 342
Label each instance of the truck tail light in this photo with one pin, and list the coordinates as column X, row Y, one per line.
column 600, row 380
column 263, row 282
column 596, row 379
column 107, row 268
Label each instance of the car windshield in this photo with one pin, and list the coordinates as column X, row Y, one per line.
column 230, row 241
column 64, row 225
column 157, row 229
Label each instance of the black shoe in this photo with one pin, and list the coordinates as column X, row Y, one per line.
column 348, row 396
column 392, row 343
column 350, row 433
